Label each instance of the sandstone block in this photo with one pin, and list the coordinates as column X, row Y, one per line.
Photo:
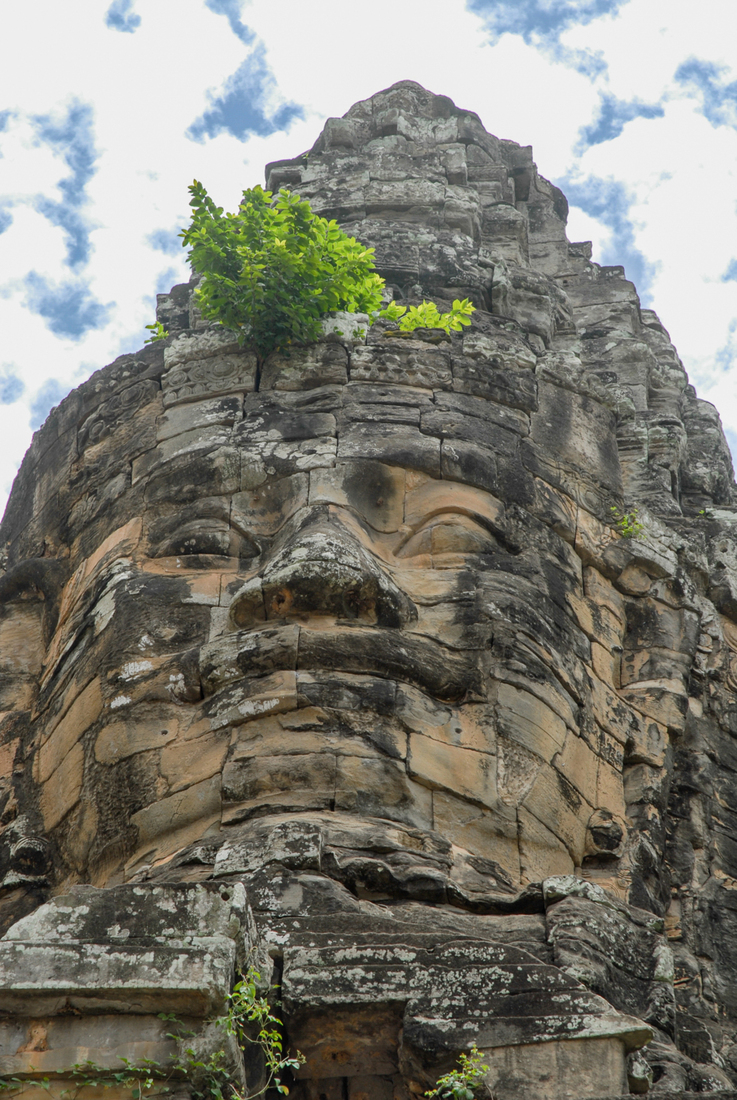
column 224, row 372
column 553, row 799
column 453, row 768
column 579, row 1067
column 265, row 508
column 357, row 781
column 663, row 700
column 375, row 488
column 63, row 788
column 197, row 804
column 21, row 640
column 419, row 366
column 97, row 976
column 580, row 765
column 321, row 365
column 286, row 783
column 540, row 848
column 527, row 720
column 252, row 697
column 80, row 714
column 218, row 467
column 199, row 416
column 138, row 731
column 190, row 763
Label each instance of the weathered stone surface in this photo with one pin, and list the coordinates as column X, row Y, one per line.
column 97, row 977
column 361, row 629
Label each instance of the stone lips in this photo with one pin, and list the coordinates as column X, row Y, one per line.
column 357, row 628
column 421, row 662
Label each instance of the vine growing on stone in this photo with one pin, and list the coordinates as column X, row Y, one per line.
column 249, row 1017
column 246, row 1006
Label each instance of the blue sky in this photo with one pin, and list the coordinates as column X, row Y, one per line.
column 109, row 109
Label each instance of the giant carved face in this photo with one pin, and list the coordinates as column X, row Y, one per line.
column 342, row 594
column 374, row 579
column 372, row 621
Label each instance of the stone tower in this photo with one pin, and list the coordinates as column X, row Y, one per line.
column 400, row 669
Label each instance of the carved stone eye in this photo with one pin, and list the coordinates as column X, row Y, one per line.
column 205, row 537
column 458, row 538
column 200, row 542
column 450, row 534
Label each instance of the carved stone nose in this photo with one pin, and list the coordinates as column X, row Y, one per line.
column 323, row 570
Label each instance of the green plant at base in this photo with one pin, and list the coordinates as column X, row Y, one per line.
column 427, row 315
column 89, row 1074
column 159, row 332
column 215, row 1080
column 247, row 1006
column 247, row 1010
column 461, row 1084
column 138, row 1079
column 627, row 523
column 274, row 270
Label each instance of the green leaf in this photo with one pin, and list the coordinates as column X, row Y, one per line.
column 273, row 269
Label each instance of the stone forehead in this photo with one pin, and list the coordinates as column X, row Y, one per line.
column 560, row 350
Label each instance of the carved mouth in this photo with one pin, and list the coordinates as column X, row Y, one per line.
column 409, row 658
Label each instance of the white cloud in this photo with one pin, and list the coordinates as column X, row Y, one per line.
column 646, row 41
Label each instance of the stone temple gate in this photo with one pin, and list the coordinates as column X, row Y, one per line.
column 342, row 666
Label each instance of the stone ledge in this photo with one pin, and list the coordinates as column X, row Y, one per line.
column 43, row 979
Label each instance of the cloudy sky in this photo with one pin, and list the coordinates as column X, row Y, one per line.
column 109, row 109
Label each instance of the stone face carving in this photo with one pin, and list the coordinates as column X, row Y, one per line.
column 356, row 631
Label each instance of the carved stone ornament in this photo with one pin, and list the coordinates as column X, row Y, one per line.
column 349, row 667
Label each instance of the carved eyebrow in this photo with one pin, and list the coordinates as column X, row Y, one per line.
column 432, row 500
column 199, row 520
column 210, row 510
column 483, row 521
column 198, row 532
column 457, row 510
column 450, row 512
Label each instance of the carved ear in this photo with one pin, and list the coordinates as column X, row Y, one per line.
column 24, row 853
column 44, row 576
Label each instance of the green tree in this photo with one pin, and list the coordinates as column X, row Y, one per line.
column 273, row 270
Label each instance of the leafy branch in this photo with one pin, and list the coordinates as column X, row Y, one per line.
column 463, row 1083
column 158, row 332
column 627, row 523
column 274, row 269
column 427, row 315
column 247, row 1011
